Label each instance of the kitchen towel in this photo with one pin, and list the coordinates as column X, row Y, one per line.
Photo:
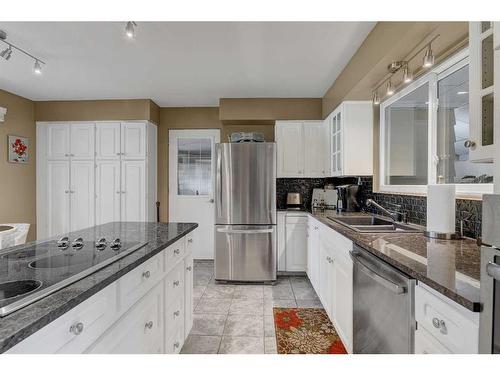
column 441, row 208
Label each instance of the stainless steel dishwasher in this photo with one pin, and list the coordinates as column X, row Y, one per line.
column 383, row 304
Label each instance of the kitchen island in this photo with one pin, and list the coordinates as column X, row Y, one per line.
column 131, row 295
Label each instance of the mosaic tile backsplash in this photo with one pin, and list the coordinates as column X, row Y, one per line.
column 415, row 207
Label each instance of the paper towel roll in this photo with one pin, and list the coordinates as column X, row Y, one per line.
column 441, row 208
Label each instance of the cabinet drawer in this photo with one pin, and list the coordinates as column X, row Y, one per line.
column 174, row 253
column 425, row 343
column 140, row 331
column 76, row 330
column 174, row 315
column 136, row 283
column 453, row 326
column 173, row 344
column 174, row 283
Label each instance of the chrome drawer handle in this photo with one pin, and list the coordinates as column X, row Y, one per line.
column 190, row 240
column 176, row 313
column 440, row 324
column 176, row 344
column 76, row 328
column 176, row 283
column 149, row 324
column 177, row 251
column 188, row 268
column 146, row 274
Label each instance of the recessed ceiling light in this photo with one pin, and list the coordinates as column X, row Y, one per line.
column 462, row 92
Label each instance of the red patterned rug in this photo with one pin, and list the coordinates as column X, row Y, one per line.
column 306, row 331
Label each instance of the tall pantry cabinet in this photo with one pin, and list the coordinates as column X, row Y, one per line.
column 91, row 173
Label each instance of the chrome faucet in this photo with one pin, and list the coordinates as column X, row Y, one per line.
column 394, row 215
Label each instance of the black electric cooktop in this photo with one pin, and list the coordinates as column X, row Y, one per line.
column 29, row 273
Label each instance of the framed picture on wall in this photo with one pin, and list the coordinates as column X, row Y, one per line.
column 18, row 149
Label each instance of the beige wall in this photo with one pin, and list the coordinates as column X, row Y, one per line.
column 18, row 181
column 92, row 110
column 387, row 42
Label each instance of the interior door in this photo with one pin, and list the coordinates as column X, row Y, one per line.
column 191, row 184
column 108, row 191
column 82, row 194
column 133, row 190
column 58, row 193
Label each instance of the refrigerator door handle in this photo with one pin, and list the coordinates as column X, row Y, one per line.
column 245, row 231
column 219, row 182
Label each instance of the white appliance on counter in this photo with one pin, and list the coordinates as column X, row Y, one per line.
column 324, row 198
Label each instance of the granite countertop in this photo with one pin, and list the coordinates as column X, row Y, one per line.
column 449, row 267
column 26, row 321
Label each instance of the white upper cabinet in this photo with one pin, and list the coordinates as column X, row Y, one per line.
column 58, row 141
column 133, row 193
column 133, row 143
column 82, row 194
column 290, row 148
column 316, row 150
column 482, row 43
column 351, row 139
column 82, row 142
column 108, row 141
column 302, row 148
column 108, row 191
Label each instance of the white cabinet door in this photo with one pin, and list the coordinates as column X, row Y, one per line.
column 313, row 254
column 140, row 331
column 82, row 144
column 315, row 155
column 58, row 197
column 342, row 310
column 296, row 247
column 82, row 194
column 133, row 140
column 58, row 141
column 188, row 294
column 290, row 147
column 133, row 196
column 108, row 141
column 108, row 191
column 326, row 270
column 281, row 240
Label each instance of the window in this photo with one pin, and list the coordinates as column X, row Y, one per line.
column 423, row 129
column 194, row 166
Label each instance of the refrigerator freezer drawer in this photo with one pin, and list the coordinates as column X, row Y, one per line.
column 245, row 252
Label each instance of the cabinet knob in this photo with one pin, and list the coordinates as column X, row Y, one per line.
column 146, row 274
column 176, row 344
column 190, row 240
column 76, row 328
column 469, row 144
column 149, row 324
column 66, row 191
column 440, row 324
column 189, row 268
column 177, row 313
column 176, row 283
column 118, row 192
column 177, row 251
column 118, row 153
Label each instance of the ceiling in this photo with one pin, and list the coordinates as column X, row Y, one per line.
column 179, row 63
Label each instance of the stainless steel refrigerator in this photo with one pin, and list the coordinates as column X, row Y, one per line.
column 245, row 212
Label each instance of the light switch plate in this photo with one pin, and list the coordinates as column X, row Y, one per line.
column 3, row 112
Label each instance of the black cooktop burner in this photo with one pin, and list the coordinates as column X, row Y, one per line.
column 18, row 288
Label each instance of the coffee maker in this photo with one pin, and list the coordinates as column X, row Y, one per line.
column 347, row 198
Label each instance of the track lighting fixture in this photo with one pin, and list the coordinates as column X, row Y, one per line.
column 7, row 53
column 428, row 58
column 390, row 88
column 130, row 29
column 407, row 74
column 376, row 98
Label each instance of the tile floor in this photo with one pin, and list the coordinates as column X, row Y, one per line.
column 238, row 319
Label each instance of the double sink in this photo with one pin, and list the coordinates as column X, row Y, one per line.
column 374, row 224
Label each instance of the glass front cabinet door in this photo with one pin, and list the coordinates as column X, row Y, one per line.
column 482, row 43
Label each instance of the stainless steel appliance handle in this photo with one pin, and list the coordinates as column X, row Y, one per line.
column 493, row 270
column 398, row 289
column 244, row 231
column 219, row 182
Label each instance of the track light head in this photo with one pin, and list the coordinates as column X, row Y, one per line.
column 130, row 29
column 376, row 98
column 390, row 88
column 37, row 68
column 428, row 58
column 407, row 75
column 6, row 53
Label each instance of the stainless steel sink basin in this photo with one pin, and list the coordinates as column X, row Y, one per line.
column 374, row 224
